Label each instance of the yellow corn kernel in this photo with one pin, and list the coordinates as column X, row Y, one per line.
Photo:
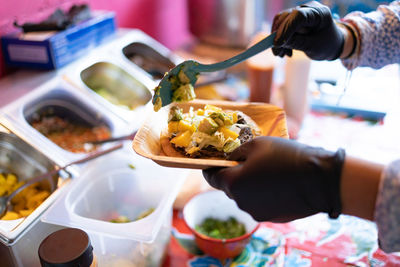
column 173, row 126
column 183, row 139
column 186, row 126
column 213, row 108
column 10, row 215
column 228, row 133
column 200, row 112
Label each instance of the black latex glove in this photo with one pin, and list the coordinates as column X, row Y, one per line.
column 281, row 180
column 309, row 28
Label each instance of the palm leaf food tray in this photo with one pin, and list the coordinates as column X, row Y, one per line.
column 270, row 119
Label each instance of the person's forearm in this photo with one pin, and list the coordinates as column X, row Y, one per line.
column 378, row 43
column 359, row 187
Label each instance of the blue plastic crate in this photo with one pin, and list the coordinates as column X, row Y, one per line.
column 52, row 50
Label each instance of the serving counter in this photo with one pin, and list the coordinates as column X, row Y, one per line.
column 318, row 240
column 76, row 91
column 102, row 94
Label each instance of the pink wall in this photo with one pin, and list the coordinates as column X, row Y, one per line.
column 164, row 20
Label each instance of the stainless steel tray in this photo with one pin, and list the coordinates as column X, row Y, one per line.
column 136, row 42
column 18, row 157
column 116, row 74
column 67, row 91
column 116, row 85
column 62, row 98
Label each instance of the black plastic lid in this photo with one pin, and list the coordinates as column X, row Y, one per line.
column 66, row 247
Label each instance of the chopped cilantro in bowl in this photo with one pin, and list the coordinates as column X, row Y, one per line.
column 221, row 229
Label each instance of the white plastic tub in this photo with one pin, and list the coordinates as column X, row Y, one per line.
column 110, row 186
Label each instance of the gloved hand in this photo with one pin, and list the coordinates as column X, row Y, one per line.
column 309, row 28
column 281, row 180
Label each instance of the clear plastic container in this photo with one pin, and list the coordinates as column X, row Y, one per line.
column 110, row 187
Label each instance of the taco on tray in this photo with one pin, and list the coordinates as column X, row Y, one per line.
column 208, row 132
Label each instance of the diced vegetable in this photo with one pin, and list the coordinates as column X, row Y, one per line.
column 175, row 114
column 158, row 103
column 130, row 165
column 26, row 201
column 213, row 108
column 234, row 117
column 173, row 126
column 183, row 139
column 145, row 213
column 120, row 219
column 10, row 215
column 183, row 78
column 228, row 133
column 231, row 145
column 193, row 150
column 222, row 118
column 208, row 126
column 180, row 126
column 200, row 112
column 183, row 93
column 186, row 126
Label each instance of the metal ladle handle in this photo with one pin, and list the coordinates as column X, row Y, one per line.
column 55, row 171
column 262, row 45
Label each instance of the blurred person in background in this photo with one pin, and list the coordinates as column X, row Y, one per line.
column 280, row 180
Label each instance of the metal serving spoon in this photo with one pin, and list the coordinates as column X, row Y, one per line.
column 113, row 139
column 5, row 200
column 164, row 91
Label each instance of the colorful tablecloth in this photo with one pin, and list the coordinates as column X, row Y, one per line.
column 317, row 240
column 312, row 241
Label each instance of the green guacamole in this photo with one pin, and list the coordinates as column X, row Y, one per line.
column 221, row 229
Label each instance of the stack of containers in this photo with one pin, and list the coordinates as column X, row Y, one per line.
column 20, row 237
column 92, row 91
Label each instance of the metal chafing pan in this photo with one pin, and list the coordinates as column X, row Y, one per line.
column 60, row 103
column 148, row 59
column 115, row 85
column 67, row 94
column 21, row 237
column 136, row 42
column 151, row 57
column 61, row 99
column 114, row 82
column 18, row 158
